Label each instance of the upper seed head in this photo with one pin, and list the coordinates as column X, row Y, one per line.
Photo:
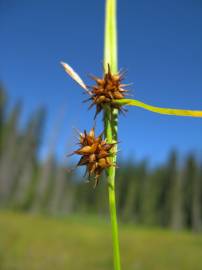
column 107, row 89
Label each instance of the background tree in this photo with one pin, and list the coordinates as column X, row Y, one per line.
column 9, row 154
column 27, row 157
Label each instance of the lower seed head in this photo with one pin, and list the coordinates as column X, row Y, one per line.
column 94, row 153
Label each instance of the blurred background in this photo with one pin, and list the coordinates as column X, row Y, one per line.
column 48, row 215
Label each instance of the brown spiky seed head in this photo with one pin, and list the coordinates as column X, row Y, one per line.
column 108, row 88
column 95, row 154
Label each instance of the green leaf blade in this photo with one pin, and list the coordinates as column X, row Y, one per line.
column 160, row 110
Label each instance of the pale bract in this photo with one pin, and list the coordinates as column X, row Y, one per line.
column 70, row 71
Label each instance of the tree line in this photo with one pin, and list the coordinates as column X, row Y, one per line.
column 169, row 195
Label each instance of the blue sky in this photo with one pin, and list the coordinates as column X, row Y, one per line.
column 159, row 44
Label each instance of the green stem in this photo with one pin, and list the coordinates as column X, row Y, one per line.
column 111, row 120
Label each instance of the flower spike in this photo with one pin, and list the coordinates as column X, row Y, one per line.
column 95, row 154
column 106, row 89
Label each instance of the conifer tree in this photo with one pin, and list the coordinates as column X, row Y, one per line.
column 65, row 197
column 133, row 204
column 196, row 197
column 192, row 194
column 2, row 114
column 28, row 156
column 48, row 184
column 9, row 153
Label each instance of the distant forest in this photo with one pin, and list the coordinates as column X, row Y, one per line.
column 169, row 195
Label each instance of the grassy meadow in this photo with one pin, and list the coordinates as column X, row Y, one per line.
column 83, row 242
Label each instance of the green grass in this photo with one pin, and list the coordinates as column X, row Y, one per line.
column 42, row 243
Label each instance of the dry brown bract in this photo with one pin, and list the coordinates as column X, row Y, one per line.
column 107, row 89
column 95, row 154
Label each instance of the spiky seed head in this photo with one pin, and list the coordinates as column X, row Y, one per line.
column 107, row 89
column 95, row 154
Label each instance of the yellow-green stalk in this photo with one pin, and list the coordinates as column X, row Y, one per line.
column 111, row 114
column 111, row 120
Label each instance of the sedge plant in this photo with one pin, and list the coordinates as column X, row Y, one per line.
column 99, row 153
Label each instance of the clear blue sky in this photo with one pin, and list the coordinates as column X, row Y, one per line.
column 159, row 43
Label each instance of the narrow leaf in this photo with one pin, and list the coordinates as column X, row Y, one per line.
column 168, row 111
